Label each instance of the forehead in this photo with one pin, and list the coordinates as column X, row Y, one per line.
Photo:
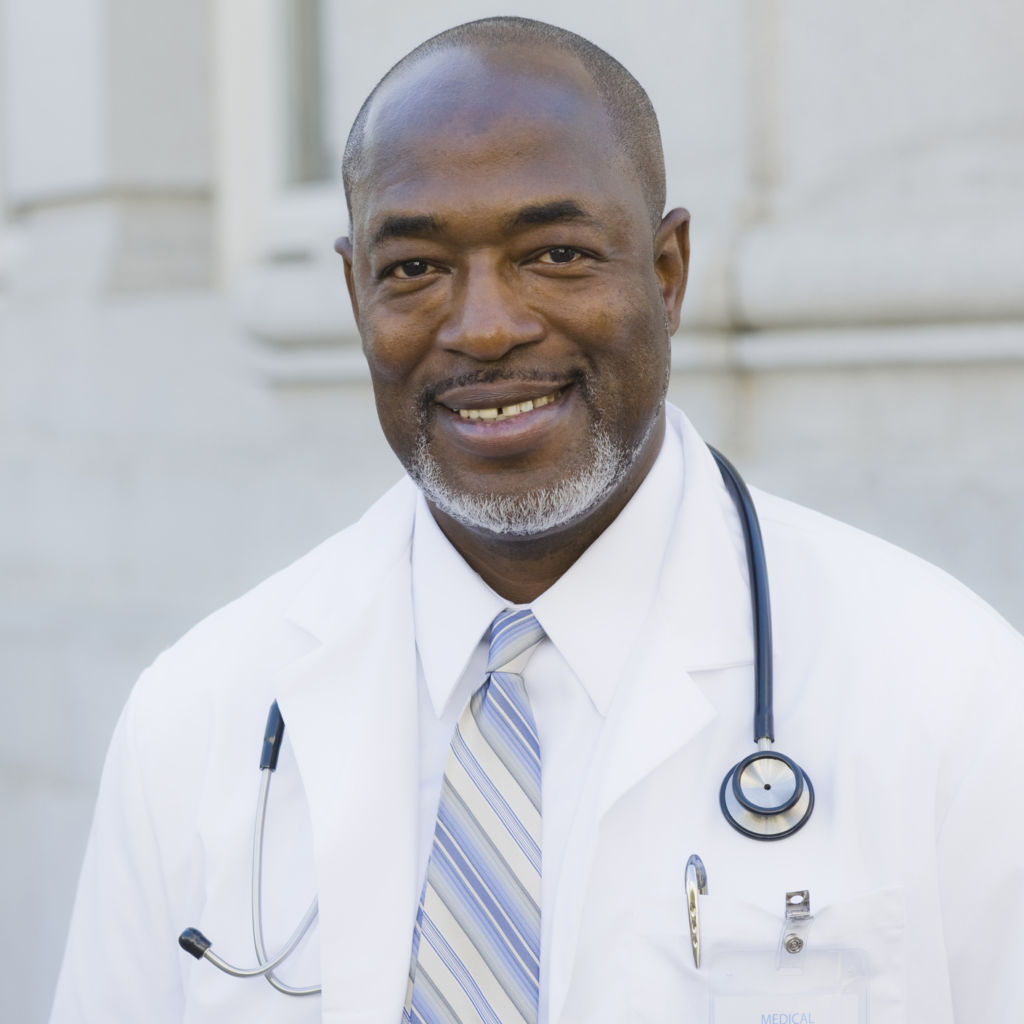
column 472, row 85
column 523, row 124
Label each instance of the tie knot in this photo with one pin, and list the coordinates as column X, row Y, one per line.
column 512, row 633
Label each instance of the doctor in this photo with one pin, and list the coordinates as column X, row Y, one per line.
column 516, row 282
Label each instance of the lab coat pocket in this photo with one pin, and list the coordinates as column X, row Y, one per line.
column 848, row 967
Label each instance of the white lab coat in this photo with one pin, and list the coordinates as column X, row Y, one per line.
column 898, row 691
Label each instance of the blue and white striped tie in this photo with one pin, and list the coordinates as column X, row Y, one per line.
column 476, row 944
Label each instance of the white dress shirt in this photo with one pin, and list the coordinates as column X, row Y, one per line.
column 592, row 616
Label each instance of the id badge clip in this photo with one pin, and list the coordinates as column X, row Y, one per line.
column 796, row 929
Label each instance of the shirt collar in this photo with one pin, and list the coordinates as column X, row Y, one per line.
column 452, row 607
column 605, row 594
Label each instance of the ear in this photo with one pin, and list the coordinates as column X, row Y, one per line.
column 343, row 247
column 672, row 261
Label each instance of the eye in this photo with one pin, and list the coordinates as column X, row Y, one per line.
column 409, row 269
column 560, row 255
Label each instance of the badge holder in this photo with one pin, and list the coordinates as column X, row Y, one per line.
column 790, row 981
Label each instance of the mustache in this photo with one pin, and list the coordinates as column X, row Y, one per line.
column 493, row 375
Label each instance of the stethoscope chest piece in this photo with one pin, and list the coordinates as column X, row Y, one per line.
column 766, row 796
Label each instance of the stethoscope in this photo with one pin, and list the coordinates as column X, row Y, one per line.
column 765, row 796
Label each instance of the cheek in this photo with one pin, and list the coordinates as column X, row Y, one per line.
column 393, row 350
column 396, row 335
column 629, row 360
column 399, row 420
column 627, row 336
column 395, row 389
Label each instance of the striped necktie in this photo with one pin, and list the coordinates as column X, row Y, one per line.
column 476, row 943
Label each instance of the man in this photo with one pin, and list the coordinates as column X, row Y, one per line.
column 516, row 283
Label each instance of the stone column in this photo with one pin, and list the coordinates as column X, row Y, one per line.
column 107, row 134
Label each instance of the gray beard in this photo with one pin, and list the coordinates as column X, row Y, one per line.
column 533, row 512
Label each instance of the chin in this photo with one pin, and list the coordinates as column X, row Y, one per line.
column 532, row 513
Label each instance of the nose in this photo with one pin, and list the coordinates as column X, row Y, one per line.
column 489, row 315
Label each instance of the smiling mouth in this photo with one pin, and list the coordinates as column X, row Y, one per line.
column 506, row 412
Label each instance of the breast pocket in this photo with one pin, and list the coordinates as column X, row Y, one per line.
column 846, row 964
column 850, row 967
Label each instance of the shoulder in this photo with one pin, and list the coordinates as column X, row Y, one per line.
column 868, row 601
column 827, row 549
column 191, row 722
column 238, row 652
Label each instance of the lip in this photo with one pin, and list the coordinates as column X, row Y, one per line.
column 517, row 435
column 498, row 394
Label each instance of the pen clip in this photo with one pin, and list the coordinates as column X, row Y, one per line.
column 696, row 885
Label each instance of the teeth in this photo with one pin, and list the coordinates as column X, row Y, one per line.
column 507, row 411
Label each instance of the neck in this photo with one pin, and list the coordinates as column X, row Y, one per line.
column 521, row 568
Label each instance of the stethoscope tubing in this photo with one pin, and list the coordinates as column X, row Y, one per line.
column 760, row 600
column 198, row 945
column 257, row 888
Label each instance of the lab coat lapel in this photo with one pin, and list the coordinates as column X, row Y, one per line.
column 700, row 619
column 350, row 710
column 657, row 711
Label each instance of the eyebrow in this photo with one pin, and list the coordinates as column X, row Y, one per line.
column 559, row 211
column 417, row 226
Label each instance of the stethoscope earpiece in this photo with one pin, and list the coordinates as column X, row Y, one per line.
column 766, row 796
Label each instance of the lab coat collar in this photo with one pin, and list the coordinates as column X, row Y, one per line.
column 349, row 566
column 596, row 612
column 700, row 620
column 350, row 711
column 705, row 588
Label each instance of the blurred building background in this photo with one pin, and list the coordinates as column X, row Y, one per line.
column 183, row 405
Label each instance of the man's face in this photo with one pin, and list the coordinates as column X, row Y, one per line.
column 513, row 298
